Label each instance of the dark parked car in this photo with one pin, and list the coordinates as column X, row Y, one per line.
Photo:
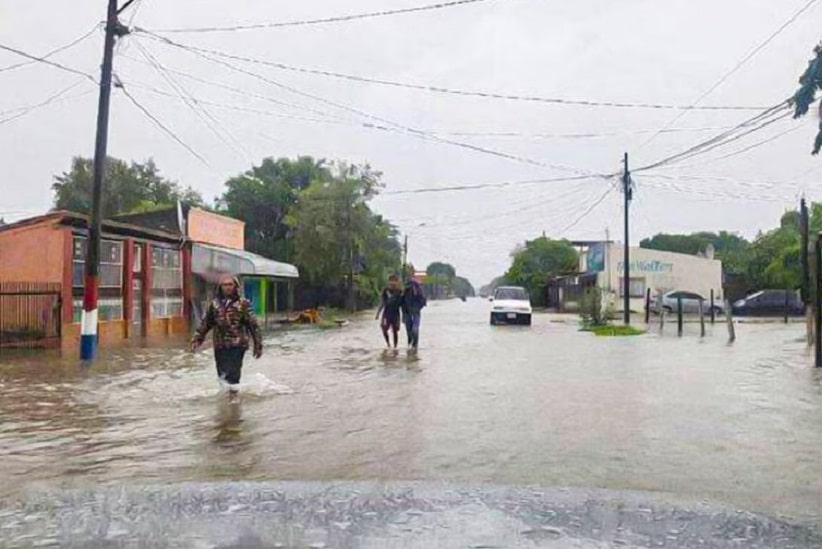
column 770, row 303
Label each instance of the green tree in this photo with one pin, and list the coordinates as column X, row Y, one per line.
column 263, row 196
column 731, row 249
column 538, row 261
column 333, row 226
column 809, row 83
column 463, row 287
column 127, row 188
column 440, row 279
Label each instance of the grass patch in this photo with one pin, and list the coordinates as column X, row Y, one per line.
column 608, row 330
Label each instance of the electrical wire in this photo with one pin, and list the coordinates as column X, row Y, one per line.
column 162, row 126
column 808, row 5
column 449, row 91
column 764, row 119
column 214, row 57
column 211, row 122
column 587, row 211
column 239, row 91
column 53, row 52
column 44, row 60
column 748, row 148
column 502, row 184
column 324, row 20
column 19, row 112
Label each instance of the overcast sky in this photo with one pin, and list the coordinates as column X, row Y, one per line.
column 636, row 51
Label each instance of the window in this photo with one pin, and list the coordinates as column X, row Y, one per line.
column 137, row 265
column 111, row 263
column 637, row 287
column 107, row 309
column 166, row 283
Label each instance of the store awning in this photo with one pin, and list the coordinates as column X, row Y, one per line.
column 209, row 261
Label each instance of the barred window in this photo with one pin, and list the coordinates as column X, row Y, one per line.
column 166, row 283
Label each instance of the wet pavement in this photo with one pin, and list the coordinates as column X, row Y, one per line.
column 653, row 420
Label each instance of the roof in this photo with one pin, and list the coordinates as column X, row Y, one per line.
column 251, row 264
column 75, row 219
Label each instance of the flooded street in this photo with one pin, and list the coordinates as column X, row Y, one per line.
column 545, row 406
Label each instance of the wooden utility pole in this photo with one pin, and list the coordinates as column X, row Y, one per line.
column 88, row 330
column 627, row 189
column 350, row 299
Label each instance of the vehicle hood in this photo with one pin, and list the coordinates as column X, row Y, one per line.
column 511, row 304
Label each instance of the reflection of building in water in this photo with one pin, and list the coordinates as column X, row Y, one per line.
column 602, row 265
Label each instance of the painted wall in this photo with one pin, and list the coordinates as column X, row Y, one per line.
column 33, row 254
column 660, row 271
column 216, row 230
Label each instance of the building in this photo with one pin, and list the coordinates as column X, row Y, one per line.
column 217, row 246
column 652, row 270
column 155, row 275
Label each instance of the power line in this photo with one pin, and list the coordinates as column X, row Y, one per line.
column 587, row 211
column 453, row 91
column 36, row 59
column 19, row 112
column 214, row 56
column 162, row 126
column 201, row 112
column 53, row 52
column 325, row 20
column 238, row 91
column 769, row 117
column 502, row 184
column 749, row 147
column 738, row 66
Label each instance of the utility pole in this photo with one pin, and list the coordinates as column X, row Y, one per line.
column 351, row 299
column 627, row 189
column 88, row 337
column 804, row 228
column 805, row 284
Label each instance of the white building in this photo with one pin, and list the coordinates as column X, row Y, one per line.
column 650, row 269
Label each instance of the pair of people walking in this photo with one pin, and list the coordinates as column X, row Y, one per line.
column 402, row 303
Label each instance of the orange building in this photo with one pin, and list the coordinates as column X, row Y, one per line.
column 156, row 271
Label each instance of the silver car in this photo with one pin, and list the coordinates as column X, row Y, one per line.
column 690, row 303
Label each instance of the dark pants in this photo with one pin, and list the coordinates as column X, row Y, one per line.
column 229, row 364
column 412, row 326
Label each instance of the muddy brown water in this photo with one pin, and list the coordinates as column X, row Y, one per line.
column 740, row 425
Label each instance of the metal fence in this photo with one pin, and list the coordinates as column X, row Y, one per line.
column 30, row 315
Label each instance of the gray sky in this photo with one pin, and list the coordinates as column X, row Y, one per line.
column 630, row 51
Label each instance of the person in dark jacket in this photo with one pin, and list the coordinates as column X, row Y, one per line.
column 232, row 319
column 413, row 302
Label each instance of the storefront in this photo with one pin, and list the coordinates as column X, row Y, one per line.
column 652, row 270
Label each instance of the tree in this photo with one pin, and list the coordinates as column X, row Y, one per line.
column 126, row 188
column 463, row 287
column 440, row 279
column 731, row 249
column 263, row 196
column 331, row 224
column 809, row 83
column 540, row 260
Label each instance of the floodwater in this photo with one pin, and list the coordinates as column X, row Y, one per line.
column 684, row 419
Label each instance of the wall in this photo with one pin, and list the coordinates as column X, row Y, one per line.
column 661, row 271
column 214, row 229
column 33, row 254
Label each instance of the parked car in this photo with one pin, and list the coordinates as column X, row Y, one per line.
column 690, row 303
column 770, row 303
column 511, row 305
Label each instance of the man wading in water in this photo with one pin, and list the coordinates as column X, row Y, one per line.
column 231, row 316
